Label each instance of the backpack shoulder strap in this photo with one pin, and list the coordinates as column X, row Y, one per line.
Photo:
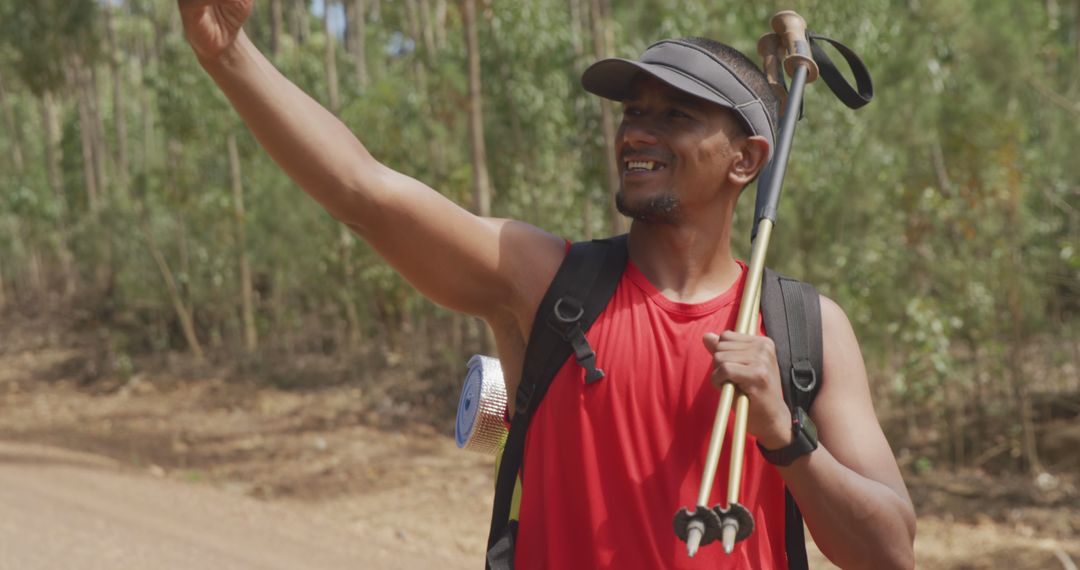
column 791, row 311
column 579, row 292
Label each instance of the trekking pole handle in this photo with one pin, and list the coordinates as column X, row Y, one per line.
column 768, row 47
column 791, row 28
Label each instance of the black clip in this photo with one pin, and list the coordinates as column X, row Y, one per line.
column 569, row 329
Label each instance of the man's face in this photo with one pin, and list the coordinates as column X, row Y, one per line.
column 673, row 150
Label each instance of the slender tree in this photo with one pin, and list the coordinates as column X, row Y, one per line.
column 13, row 127
column 601, row 49
column 481, row 182
column 247, row 294
column 277, row 26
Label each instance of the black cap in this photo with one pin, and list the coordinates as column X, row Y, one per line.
column 689, row 69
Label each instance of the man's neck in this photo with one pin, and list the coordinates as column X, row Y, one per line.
column 689, row 262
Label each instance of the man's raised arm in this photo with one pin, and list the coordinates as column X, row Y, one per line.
column 491, row 268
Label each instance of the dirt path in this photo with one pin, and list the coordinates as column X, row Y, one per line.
column 61, row 509
column 214, row 472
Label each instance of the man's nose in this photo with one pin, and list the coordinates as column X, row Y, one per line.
column 636, row 132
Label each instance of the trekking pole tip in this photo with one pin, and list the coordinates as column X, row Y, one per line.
column 693, row 537
column 727, row 537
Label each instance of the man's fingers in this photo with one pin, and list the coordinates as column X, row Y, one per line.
column 743, row 376
column 732, row 335
column 739, row 354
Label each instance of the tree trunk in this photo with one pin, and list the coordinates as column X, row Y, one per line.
column 352, row 316
column 277, row 26
column 978, row 400
column 1013, row 271
column 53, row 151
column 344, row 235
column 350, row 21
column 331, row 62
column 1017, row 380
column 37, row 280
column 427, row 26
column 299, row 21
column 97, row 131
column 576, row 27
column 419, row 70
column 142, row 150
column 1023, row 403
column 481, row 183
column 601, row 49
column 53, row 158
column 578, row 18
column 1053, row 14
column 3, row 291
column 358, row 47
column 119, row 117
column 13, row 128
column 90, row 179
column 482, row 190
column 247, row 294
column 183, row 312
column 440, row 24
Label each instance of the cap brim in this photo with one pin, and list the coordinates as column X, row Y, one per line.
column 613, row 78
column 689, row 69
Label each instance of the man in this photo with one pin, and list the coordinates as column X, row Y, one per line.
column 607, row 464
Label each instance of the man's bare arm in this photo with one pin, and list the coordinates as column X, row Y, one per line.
column 850, row 490
column 491, row 268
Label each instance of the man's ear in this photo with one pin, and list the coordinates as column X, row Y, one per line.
column 750, row 158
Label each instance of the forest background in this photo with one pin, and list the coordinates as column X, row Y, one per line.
column 944, row 217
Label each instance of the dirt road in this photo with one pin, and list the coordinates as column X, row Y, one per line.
column 61, row 509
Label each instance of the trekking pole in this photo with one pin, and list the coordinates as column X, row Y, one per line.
column 734, row 522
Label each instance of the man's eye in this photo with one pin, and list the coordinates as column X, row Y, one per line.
column 677, row 114
column 631, row 111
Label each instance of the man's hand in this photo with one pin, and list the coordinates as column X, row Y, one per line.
column 211, row 26
column 749, row 362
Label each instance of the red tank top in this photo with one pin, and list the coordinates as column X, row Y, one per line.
column 608, row 464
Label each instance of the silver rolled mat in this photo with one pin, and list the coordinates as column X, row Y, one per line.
column 479, row 426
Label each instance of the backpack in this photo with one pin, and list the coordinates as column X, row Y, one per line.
column 580, row 291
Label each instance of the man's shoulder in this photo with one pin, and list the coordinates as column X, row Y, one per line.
column 833, row 317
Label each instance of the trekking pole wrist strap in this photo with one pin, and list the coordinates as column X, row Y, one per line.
column 853, row 97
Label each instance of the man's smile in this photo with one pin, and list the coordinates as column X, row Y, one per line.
column 635, row 166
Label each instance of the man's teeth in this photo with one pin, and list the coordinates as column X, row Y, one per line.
column 640, row 165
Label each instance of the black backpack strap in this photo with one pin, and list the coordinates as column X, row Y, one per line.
column 580, row 291
column 791, row 311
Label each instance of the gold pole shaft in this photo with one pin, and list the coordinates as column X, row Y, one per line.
column 738, row 446
column 747, row 321
column 751, row 297
column 738, row 435
column 716, row 444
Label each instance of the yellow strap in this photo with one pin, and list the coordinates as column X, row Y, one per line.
column 515, row 501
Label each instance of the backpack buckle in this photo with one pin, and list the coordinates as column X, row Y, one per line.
column 567, row 312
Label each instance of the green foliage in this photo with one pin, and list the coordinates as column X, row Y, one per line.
column 48, row 35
